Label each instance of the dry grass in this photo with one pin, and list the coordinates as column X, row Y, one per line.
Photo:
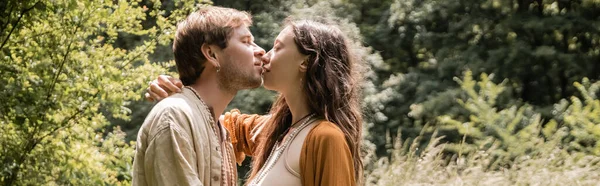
column 552, row 166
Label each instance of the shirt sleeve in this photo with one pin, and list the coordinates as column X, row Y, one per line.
column 170, row 157
column 244, row 130
column 325, row 158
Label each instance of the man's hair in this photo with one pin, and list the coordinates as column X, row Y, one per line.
column 210, row 25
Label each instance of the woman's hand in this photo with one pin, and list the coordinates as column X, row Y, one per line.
column 163, row 87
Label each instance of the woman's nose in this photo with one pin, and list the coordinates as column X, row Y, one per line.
column 266, row 59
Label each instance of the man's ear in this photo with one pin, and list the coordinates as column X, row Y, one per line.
column 209, row 53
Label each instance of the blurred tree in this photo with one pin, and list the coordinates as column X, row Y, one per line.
column 542, row 46
column 518, row 131
column 581, row 116
column 61, row 66
column 514, row 131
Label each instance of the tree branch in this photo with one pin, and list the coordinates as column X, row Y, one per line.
column 62, row 64
column 34, row 142
column 28, row 148
column 135, row 57
column 18, row 20
column 7, row 20
column 65, row 123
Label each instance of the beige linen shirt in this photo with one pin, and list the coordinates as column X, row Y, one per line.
column 177, row 145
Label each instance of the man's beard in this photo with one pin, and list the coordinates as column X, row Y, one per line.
column 232, row 78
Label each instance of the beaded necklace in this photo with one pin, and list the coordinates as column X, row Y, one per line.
column 213, row 126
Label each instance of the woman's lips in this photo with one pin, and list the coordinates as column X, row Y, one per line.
column 265, row 69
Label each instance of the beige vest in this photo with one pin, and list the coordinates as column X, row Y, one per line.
column 286, row 171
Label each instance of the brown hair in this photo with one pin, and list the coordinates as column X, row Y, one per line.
column 209, row 25
column 331, row 86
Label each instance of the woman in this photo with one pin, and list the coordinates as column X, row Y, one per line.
column 312, row 135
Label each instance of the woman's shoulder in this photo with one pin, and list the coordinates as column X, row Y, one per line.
column 326, row 131
column 325, row 140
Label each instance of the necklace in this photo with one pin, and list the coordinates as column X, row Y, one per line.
column 224, row 174
column 212, row 119
column 282, row 136
column 277, row 150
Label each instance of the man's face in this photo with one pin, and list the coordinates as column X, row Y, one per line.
column 241, row 65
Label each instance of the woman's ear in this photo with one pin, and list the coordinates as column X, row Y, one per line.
column 304, row 65
column 209, row 53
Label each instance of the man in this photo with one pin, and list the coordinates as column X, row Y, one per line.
column 180, row 142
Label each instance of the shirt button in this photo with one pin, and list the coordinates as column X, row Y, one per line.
column 215, row 178
column 217, row 148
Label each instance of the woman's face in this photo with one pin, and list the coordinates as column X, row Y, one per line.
column 283, row 62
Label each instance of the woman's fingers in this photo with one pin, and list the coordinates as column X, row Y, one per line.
column 154, row 96
column 148, row 97
column 169, row 84
column 156, row 91
column 162, row 87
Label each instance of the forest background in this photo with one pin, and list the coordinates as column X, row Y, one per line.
column 456, row 92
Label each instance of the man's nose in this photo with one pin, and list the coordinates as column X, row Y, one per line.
column 258, row 51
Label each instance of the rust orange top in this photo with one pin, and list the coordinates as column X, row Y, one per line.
column 325, row 157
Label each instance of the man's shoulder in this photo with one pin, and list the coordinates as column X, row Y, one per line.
column 176, row 102
column 179, row 109
column 173, row 109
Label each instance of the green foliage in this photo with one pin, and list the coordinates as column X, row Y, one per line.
column 581, row 116
column 541, row 46
column 509, row 146
column 518, row 130
column 515, row 130
column 63, row 74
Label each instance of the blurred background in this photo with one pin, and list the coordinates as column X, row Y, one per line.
column 456, row 92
